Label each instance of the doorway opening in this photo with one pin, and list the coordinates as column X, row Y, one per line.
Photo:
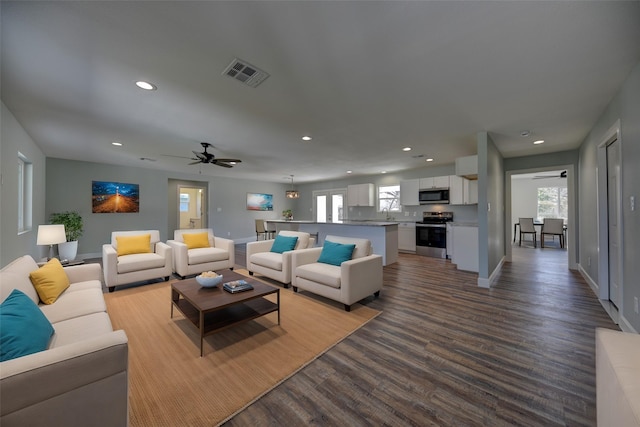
column 538, row 193
column 610, row 234
column 188, row 205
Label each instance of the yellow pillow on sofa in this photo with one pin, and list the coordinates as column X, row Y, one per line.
column 50, row 281
column 196, row 240
column 127, row 245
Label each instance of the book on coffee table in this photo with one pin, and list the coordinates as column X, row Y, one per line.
column 237, row 286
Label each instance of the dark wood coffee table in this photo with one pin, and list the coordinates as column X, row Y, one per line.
column 213, row 309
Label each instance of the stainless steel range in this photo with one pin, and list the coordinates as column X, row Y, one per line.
column 431, row 234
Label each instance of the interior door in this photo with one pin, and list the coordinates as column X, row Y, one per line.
column 192, row 207
column 328, row 205
column 613, row 172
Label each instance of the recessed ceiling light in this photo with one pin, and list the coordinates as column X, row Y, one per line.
column 525, row 133
column 540, row 141
column 429, row 160
column 145, row 85
column 117, row 143
column 349, row 171
column 383, row 172
column 306, row 138
column 406, row 149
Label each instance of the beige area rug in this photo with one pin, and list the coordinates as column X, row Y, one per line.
column 170, row 384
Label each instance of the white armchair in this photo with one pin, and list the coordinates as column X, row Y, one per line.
column 154, row 262
column 219, row 255
column 276, row 266
column 348, row 283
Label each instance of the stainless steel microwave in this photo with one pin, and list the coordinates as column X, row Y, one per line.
column 434, row 196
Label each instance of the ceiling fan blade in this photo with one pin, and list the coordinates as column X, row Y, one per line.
column 228, row 160
column 196, row 162
column 224, row 165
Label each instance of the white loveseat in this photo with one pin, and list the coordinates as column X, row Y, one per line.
column 81, row 379
column 274, row 265
column 136, row 267
column 219, row 255
column 617, row 378
column 348, row 283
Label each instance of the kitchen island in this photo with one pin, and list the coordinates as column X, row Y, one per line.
column 383, row 235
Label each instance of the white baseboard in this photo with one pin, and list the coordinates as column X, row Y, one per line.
column 592, row 284
column 486, row 283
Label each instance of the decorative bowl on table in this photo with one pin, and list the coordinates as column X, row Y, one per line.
column 209, row 279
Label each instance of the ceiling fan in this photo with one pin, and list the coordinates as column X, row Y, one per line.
column 563, row 174
column 206, row 157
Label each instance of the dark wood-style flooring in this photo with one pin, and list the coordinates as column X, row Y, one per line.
column 447, row 353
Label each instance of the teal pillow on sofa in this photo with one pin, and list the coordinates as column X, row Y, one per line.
column 25, row 329
column 336, row 253
column 284, row 243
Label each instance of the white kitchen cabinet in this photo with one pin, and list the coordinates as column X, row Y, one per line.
column 434, row 182
column 465, row 242
column 407, row 237
column 462, row 191
column 470, row 191
column 361, row 195
column 449, row 241
column 467, row 167
column 456, row 190
column 409, row 192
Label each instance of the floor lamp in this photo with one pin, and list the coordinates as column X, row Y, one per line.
column 51, row 235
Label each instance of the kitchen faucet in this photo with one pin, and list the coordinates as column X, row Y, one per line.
column 388, row 216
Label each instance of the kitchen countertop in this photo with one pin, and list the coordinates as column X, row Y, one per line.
column 367, row 223
column 463, row 224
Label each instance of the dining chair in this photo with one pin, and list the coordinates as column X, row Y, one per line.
column 553, row 227
column 527, row 227
column 261, row 230
column 271, row 232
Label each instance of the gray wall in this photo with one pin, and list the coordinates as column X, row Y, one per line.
column 69, row 188
column 625, row 107
column 14, row 139
column 491, row 235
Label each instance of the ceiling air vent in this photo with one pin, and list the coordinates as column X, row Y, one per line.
column 245, row 72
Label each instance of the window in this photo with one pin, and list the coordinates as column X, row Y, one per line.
column 552, row 202
column 184, row 202
column 389, row 198
column 25, row 193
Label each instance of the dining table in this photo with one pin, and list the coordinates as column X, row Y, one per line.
column 536, row 224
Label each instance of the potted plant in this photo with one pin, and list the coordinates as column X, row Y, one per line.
column 73, row 228
column 287, row 214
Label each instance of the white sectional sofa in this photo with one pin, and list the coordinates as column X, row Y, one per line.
column 81, row 379
column 617, row 378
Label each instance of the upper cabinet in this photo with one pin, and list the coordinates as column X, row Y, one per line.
column 462, row 191
column 467, row 167
column 434, row 182
column 361, row 195
column 409, row 192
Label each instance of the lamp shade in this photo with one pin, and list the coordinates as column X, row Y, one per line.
column 51, row 234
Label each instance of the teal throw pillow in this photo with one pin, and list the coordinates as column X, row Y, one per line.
column 284, row 243
column 336, row 253
column 25, row 329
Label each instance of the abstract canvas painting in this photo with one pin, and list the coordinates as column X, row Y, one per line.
column 259, row 202
column 114, row 197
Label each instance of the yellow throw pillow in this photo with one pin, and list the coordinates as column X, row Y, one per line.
column 128, row 245
column 50, row 281
column 196, row 240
